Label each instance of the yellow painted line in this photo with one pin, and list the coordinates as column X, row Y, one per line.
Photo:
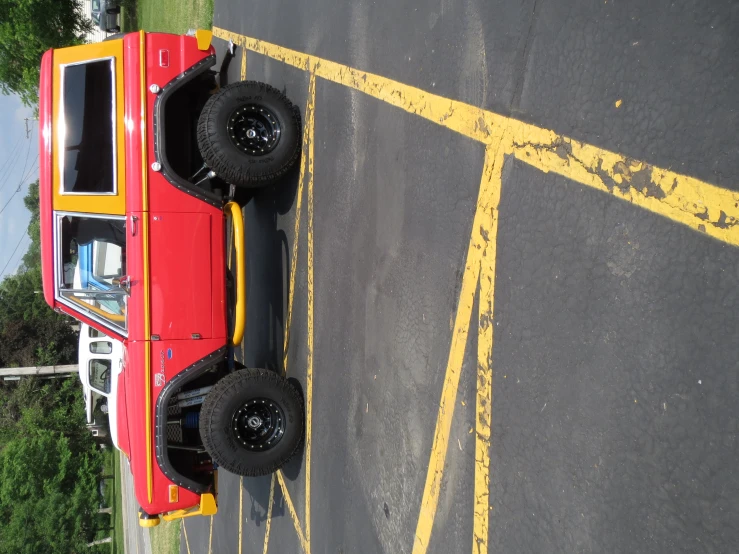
column 311, row 303
column 243, row 64
column 308, row 128
column 291, row 511
column 241, row 511
column 210, row 537
column 187, row 542
column 686, row 200
column 268, row 523
column 486, row 203
column 492, row 174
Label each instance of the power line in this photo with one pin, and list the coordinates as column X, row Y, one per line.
column 11, row 157
column 13, row 254
column 25, row 164
column 20, row 185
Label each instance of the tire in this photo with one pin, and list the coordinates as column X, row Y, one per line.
column 249, row 107
column 253, row 392
column 113, row 30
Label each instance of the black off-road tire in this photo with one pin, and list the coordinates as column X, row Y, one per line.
column 233, row 164
column 226, row 398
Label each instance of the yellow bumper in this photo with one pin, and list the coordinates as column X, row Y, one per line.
column 207, row 507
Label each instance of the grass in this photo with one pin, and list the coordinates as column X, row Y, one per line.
column 118, row 546
column 166, row 16
column 165, row 538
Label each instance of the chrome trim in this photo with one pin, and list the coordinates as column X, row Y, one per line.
column 57, row 277
column 62, row 127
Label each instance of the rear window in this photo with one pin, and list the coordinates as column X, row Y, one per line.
column 88, row 128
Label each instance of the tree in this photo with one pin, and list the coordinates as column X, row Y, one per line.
column 31, row 333
column 27, row 29
column 32, row 257
column 49, row 468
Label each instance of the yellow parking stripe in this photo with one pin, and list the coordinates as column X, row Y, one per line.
column 268, row 523
column 187, row 542
column 680, row 198
column 492, row 173
column 241, row 511
column 243, row 65
column 487, row 202
column 291, row 511
column 309, row 371
column 683, row 199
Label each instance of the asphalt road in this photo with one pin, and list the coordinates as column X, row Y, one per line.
column 614, row 363
column 137, row 540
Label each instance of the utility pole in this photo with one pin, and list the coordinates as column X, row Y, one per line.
column 39, row 370
column 28, row 130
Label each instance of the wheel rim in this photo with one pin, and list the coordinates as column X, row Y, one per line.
column 254, row 130
column 259, row 424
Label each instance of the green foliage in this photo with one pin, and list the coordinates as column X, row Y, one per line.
column 32, row 258
column 27, row 29
column 30, row 332
column 49, row 469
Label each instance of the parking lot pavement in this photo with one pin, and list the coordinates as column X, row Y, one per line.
column 137, row 539
column 504, row 276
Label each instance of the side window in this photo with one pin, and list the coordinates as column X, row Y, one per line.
column 88, row 104
column 101, row 347
column 100, row 375
column 91, row 261
column 95, row 334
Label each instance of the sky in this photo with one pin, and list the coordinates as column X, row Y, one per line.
column 18, row 159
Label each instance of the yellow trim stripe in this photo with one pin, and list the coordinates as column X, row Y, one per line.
column 686, row 200
column 145, row 241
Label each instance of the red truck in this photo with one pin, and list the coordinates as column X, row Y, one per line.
column 142, row 154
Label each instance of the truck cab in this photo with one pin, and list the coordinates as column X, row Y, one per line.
column 142, row 156
column 100, row 360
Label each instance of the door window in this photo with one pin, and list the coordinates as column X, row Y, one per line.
column 101, row 347
column 91, row 262
column 100, row 375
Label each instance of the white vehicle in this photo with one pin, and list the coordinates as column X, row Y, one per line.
column 100, row 364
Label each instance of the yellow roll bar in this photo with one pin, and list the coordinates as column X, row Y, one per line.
column 238, row 244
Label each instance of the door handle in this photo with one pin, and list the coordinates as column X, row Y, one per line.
column 134, row 225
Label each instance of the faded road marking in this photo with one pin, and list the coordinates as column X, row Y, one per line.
column 291, row 510
column 241, row 511
column 697, row 204
column 268, row 523
column 482, row 229
column 492, row 174
column 187, row 542
column 309, row 371
column 243, row 65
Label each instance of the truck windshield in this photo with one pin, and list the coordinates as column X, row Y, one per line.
column 92, row 260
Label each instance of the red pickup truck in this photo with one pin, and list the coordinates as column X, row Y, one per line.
column 142, row 155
